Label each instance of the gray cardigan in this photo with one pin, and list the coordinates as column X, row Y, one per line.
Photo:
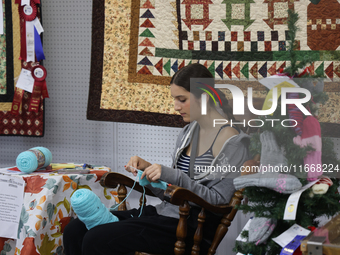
column 214, row 185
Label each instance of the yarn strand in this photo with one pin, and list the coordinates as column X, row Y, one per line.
column 114, row 208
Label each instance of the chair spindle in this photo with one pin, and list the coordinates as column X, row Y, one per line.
column 181, row 232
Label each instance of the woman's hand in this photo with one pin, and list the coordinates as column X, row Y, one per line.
column 152, row 173
column 138, row 163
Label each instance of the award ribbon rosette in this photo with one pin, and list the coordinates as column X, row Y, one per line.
column 30, row 32
column 27, row 13
column 39, row 88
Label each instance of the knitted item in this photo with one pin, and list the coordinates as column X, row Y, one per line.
column 159, row 184
column 271, row 154
column 144, row 181
column 295, row 113
column 282, row 183
column 311, row 135
column 260, row 229
column 90, row 210
column 321, row 187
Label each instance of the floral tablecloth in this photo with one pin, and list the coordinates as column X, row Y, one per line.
column 47, row 210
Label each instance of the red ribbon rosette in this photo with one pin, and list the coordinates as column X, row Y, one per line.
column 27, row 13
column 39, row 89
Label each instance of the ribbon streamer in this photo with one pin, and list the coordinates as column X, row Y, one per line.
column 39, row 89
column 35, row 98
column 39, row 52
column 17, row 99
column 30, row 49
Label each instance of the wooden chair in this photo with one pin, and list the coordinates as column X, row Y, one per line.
column 181, row 197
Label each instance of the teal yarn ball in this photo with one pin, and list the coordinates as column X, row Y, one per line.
column 90, row 210
column 27, row 162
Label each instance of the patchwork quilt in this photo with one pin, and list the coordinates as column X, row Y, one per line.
column 25, row 123
column 138, row 45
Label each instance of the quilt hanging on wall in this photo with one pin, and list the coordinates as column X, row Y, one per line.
column 137, row 45
column 22, row 121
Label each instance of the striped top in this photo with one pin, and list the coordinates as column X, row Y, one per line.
column 202, row 162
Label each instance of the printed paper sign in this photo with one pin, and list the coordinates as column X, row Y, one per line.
column 11, row 200
column 287, row 236
column 25, row 81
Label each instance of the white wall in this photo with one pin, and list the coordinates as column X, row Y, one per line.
column 67, row 47
column 68, row 134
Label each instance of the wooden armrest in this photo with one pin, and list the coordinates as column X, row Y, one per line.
column 177, row 195
column 112, row 180
column 173, row 194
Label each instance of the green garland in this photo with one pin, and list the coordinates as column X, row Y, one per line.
column 264, row 202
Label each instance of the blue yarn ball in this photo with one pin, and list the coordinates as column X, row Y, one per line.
column 27, row 162
column 90, row 210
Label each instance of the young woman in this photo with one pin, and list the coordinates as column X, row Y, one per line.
column 212, row 150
